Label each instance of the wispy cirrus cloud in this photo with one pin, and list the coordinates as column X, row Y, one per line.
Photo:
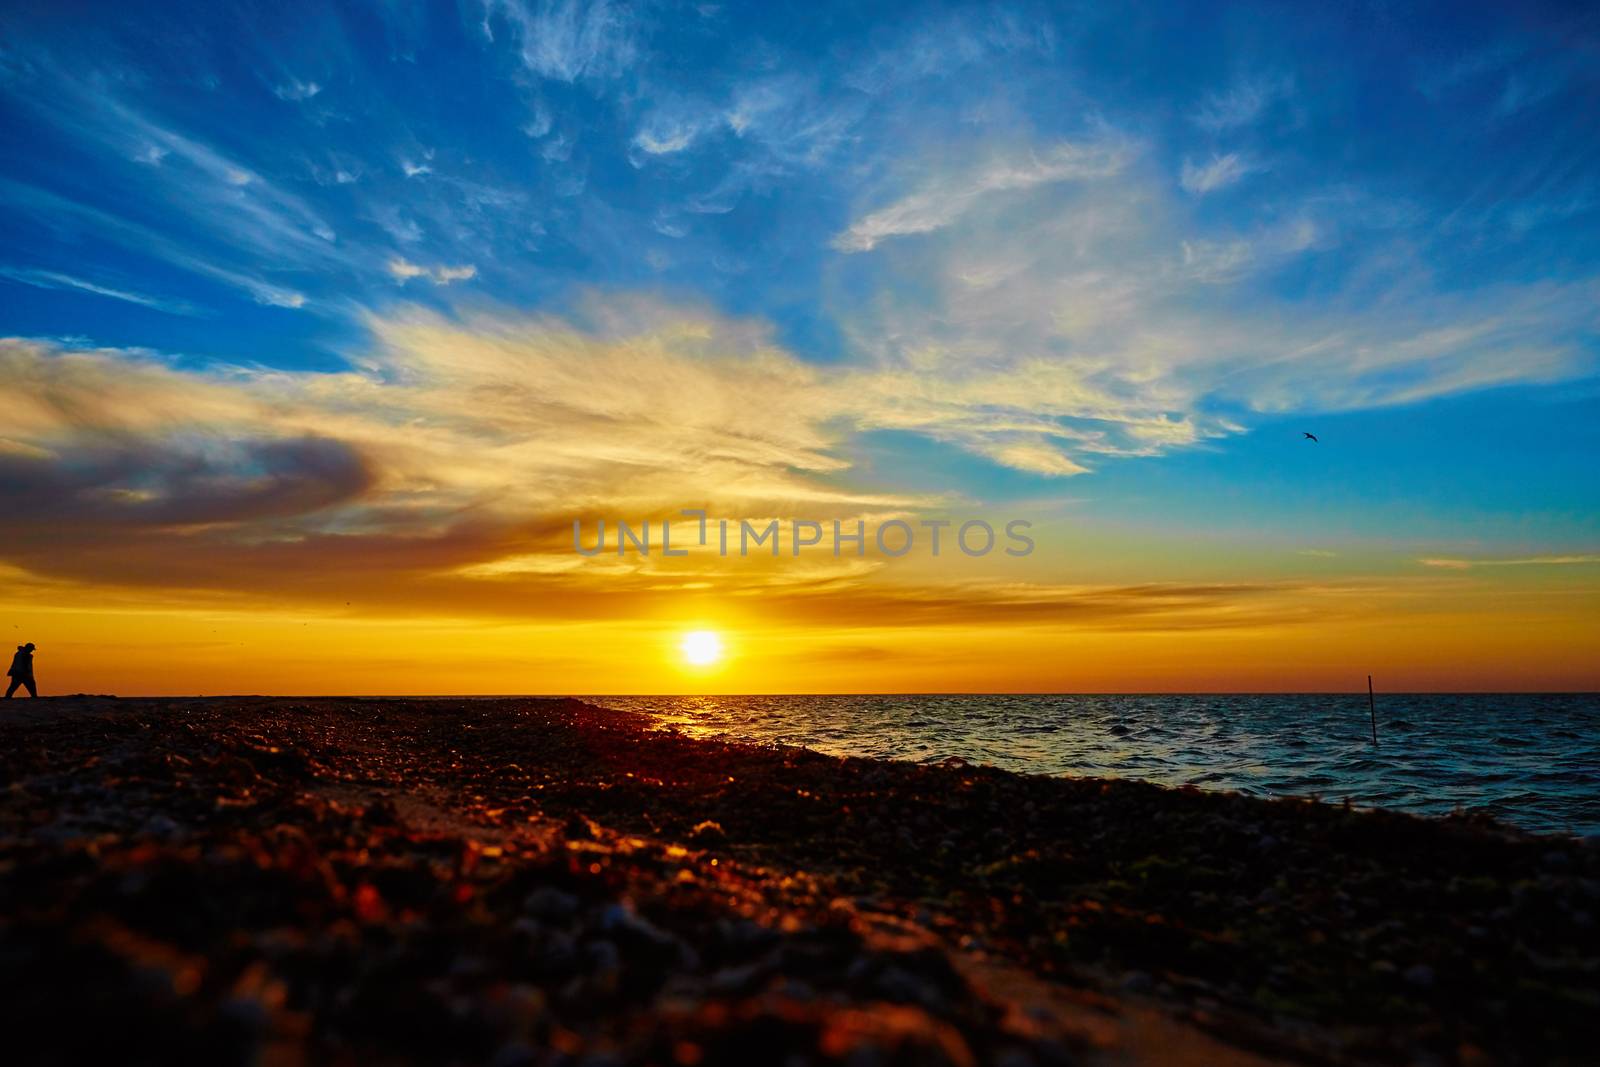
column 1463, row 564
column 762, row 132
column 1219, row 172
column 404, row 270
column 296, row 90
column 75, row 217
column 1241, row 104
column 1227, row 258
column 568, row 40
column 939, row 45
column 669, row 131
column 49, row 279
column 942, row 201
column 1113, row 319
column 219, row 216
column 255, row 223
column 217, row 188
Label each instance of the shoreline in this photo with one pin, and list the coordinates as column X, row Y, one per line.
column 1467, row 777
column 184, row 868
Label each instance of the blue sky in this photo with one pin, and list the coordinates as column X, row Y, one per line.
column 987, row 253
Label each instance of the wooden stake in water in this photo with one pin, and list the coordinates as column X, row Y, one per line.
column 1372, row 707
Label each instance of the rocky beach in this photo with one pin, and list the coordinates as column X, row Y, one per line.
column 528, row 881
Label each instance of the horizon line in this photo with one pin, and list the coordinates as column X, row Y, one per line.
column 884, row 693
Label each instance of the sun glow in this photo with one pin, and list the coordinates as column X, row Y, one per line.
column 701, row 648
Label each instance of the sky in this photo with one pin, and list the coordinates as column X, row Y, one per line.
column 320, row 327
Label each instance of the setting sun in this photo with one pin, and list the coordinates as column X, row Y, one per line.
column 701, row 648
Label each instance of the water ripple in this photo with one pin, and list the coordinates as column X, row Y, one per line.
column 1529, row 759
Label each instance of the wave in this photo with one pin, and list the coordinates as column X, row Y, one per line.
column 1530, row 760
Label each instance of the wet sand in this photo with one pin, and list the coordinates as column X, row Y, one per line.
column 284, row 881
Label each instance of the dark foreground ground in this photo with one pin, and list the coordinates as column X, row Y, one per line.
column 527, row 882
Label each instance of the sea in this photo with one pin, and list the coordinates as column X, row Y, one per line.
column 1531, row 760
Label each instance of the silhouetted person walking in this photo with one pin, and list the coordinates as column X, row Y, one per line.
column 22, row 671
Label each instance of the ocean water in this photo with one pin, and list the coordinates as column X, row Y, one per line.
column 1532, row 760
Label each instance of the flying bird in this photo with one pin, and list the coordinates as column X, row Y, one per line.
column 1310, row 436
